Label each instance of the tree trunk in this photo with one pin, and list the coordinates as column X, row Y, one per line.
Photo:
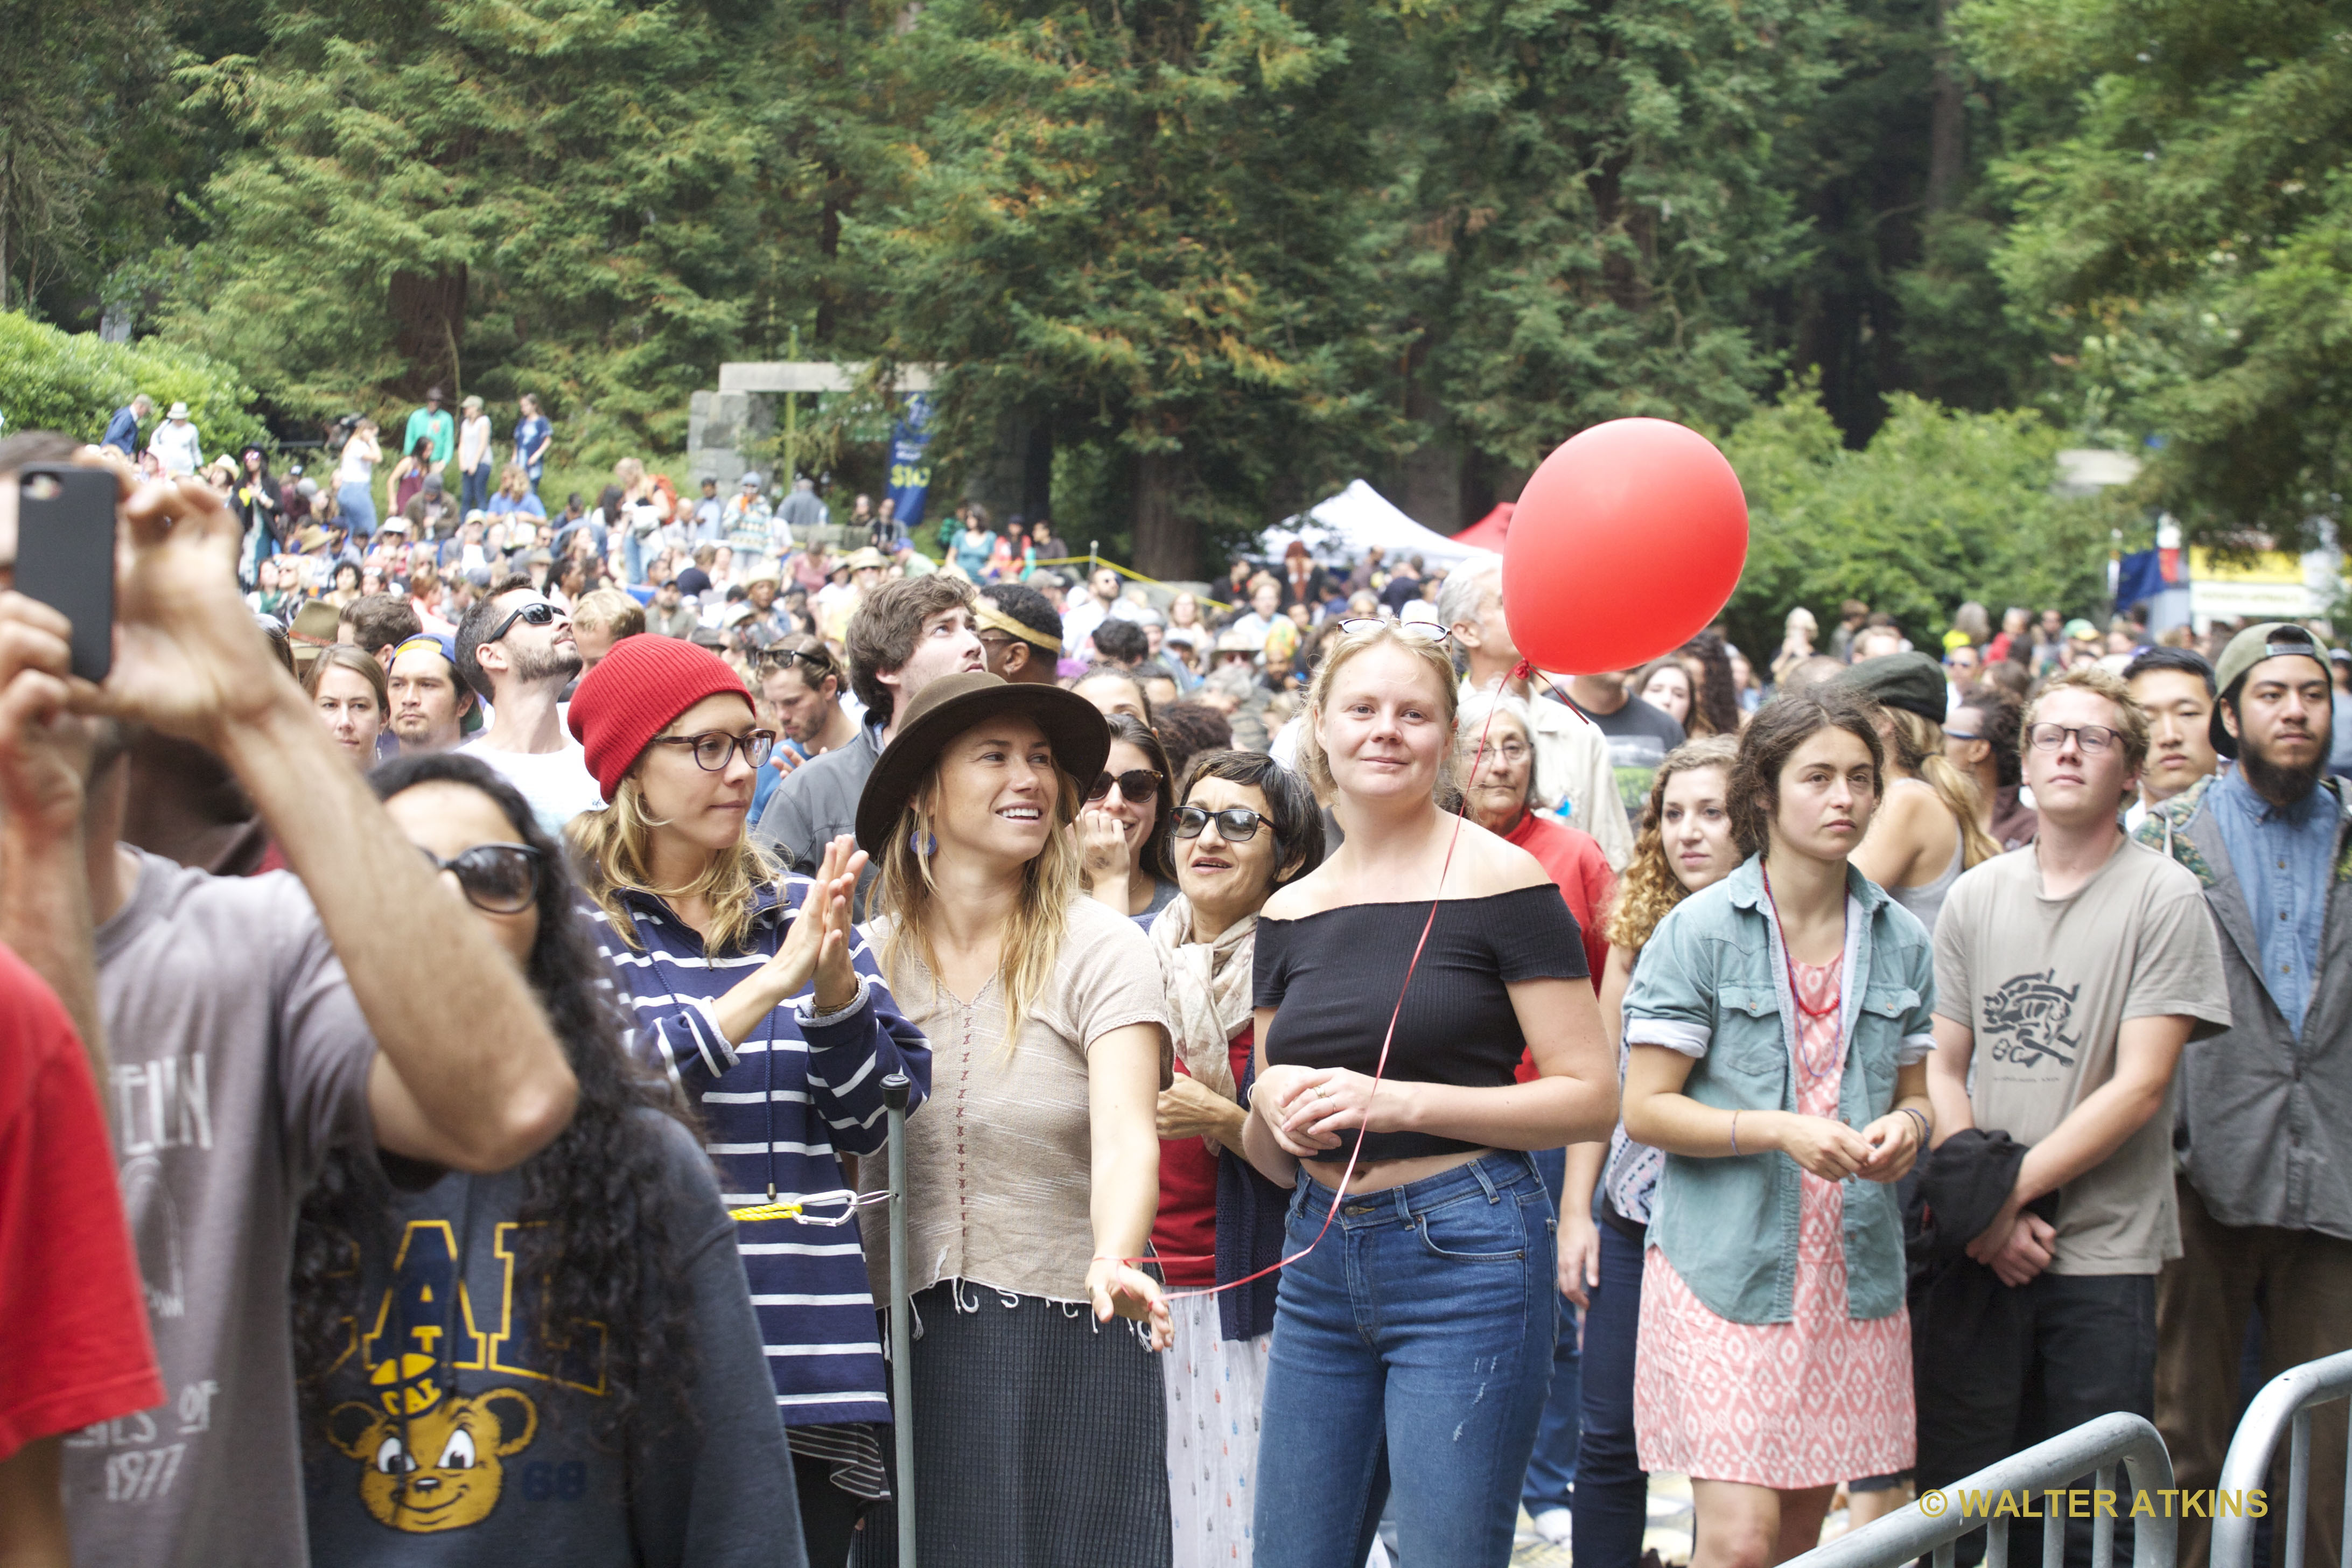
column 428, row 323
column 1947, row 128
column 1166, row 538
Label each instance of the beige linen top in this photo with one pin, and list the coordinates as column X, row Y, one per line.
column 999, row 1159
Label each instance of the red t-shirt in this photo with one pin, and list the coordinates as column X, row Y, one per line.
column 73, row 1330
column 1574, row 859
column 1186, row 1227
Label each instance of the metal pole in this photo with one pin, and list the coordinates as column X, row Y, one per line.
column 791, row 421
column 896, row 1089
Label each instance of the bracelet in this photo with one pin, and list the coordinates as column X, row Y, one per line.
column 1735, row 1135
column 1926, row 1132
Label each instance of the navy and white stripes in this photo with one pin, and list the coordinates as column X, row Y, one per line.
column 780, row 1107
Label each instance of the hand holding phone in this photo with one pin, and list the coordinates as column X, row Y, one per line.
column 64, row 554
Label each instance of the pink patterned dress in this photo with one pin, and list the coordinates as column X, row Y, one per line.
column 1820, row 1399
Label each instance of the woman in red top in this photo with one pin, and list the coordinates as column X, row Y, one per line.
column 1247, row 825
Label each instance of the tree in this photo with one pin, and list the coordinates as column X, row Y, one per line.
column 2191, row 232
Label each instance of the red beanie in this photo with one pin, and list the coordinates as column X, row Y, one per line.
column 633, row 694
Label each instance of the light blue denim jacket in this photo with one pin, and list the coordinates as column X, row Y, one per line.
column 1713, row 985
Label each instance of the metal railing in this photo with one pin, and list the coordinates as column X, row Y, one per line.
column 2036, row 1476
column 896, row 1091
column 2284, row 1405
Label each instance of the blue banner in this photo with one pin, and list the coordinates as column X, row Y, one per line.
column 910, row 467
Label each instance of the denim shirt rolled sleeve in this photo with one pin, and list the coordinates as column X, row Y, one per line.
column 1712, row 985
column 2283, row 855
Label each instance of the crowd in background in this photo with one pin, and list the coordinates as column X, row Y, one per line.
column 1830, row 1072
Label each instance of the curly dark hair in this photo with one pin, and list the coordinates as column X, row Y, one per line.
column 597, row 1221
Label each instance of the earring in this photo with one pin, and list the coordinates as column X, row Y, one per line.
column 922, row 843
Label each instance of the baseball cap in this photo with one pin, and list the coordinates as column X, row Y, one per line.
column 2265, row 640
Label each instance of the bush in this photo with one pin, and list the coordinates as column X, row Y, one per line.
column 73, row 382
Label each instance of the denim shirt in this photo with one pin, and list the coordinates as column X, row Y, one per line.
column 1714, row 984
column 2281, row 855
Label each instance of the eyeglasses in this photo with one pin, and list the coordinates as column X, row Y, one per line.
column 1509, row 751
column 1417, row 631
column 820, row 662
column 538, row 613
column 496, row 878
column 1135, row 784
column 1235, row 823
column 2092, row 738
column 713, row 748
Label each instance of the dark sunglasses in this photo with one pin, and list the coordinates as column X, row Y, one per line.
column 821, row 662
column 1135, row 784
column 538, row 613
column 713, row 748
column 496, row 878
column 1235, row 823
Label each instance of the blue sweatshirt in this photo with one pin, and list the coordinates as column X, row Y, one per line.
column 776, row 1108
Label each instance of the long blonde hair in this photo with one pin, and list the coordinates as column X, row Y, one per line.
column 1650, row 888
column 1919, row 752
column 615, row 850
column 1031, row 943
column 1315, row 767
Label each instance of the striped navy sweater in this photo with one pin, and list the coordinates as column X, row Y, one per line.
column 776, row 1108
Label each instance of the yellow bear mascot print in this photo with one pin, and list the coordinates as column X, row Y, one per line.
column 432, row 1459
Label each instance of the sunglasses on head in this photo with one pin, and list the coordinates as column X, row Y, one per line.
column 1135, row 784
column 1418, row 631
column 538, row 613
column 1235, row 823
column 496, row 878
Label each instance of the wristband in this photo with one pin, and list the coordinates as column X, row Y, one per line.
column 1926, row 1132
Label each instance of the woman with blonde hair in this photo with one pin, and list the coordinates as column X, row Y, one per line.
column 1928, row 830
column 1685, row 843
column 1418, row 1320
column 753, row 992
column 1041, row 1423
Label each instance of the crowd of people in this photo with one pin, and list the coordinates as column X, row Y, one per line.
column 1359, row 1087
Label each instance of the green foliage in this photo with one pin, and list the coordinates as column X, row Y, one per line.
column 1941, row 506
column 2192, row 232
column 73, row 382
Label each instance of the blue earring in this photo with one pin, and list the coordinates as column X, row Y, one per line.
column 922, row 843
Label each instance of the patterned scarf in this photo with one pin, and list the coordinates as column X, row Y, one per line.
column 1209, row 990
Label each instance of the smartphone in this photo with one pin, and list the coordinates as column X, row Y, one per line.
column 64, row 554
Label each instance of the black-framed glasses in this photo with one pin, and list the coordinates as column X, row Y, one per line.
column 496, row 878
column 1419, row 631
column 1135, row 784
column 1235, row 823
column 538, row 613
column 2092, row 738
column 713, row 748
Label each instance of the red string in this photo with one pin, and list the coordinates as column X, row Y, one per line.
column 1380, row 1067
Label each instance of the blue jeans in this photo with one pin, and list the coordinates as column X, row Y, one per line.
column 355, row 509
column 475, row 493
column 1551, row 1474
column 1612, row 1492
column 1422, row 1326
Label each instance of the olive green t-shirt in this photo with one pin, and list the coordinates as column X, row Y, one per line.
column 2046, row 984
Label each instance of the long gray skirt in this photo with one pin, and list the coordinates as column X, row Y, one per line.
column 1041, row 1440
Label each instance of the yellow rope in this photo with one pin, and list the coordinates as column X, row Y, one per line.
column 1092, row 561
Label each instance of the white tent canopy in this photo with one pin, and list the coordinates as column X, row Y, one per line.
column 1343, row 526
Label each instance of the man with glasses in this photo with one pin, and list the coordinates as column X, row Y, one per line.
column 516, row 650
column 2266, row 1193
column 2069, row 976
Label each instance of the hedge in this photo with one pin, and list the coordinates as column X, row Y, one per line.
column 73, row 382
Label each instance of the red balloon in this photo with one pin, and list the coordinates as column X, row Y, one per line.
column 1625, row 544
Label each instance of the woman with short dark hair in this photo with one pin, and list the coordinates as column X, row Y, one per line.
column 1779, row 1028
column 1123, row 826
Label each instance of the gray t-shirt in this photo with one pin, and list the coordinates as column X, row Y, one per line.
column 2045, row 984
column 817, row 803
column 239, row 1058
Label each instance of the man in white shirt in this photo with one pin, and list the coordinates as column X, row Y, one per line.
column 176, row 445
column 1102, row 602
column 516, row 649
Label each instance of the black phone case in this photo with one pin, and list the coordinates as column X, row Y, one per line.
column 64, row 554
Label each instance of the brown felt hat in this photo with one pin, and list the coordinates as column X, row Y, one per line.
column 954, row 703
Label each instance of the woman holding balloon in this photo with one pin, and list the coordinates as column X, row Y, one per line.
column 1444, row 1245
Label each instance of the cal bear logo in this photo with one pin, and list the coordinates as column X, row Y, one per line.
column 432, row 1459
column 2029, row 1013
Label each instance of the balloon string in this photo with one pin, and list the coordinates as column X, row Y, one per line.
column 1379, row 1066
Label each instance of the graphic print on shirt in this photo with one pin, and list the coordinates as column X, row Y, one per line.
column 2027, row 1018
column 431, row 1458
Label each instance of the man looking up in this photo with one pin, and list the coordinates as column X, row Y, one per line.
column 253, row 1023
column 516, row 650
column 2176, row 686
column 2266, row 1197
column 429, row 699
column 907, row 635
column 1573, row 762
column 2069, row 976
column 1020, row 633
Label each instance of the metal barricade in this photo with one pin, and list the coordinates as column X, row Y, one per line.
column 897, row 1089
column 2096, row 1447
column 2284, row 1405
